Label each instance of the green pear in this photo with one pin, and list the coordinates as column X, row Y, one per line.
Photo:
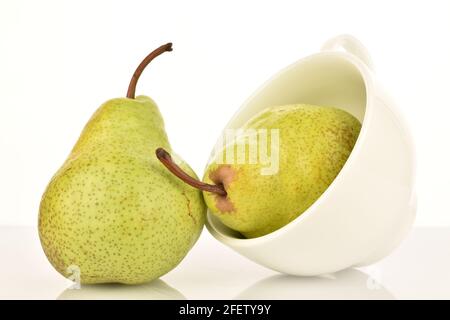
column 112, row 212
column 312, row 143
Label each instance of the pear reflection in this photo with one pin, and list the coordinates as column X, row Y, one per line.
column 155, row 290
column 347, row 284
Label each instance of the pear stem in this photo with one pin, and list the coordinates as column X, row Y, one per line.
column 167, row 161
column 132, row 86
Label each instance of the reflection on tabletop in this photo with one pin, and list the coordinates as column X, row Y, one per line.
column 155, row 290
column 347, row 284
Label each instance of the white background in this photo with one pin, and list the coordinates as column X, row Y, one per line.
column 59, row 60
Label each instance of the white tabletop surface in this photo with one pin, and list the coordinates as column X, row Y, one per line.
column 418, row 269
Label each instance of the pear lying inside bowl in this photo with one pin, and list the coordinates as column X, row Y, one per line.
column 314, row 143
column 310, row 145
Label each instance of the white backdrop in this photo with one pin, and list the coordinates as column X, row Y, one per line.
column 59, row 60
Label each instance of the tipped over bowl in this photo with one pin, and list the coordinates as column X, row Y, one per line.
column 370, row 206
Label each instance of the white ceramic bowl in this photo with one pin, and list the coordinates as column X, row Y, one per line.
column 370, row 206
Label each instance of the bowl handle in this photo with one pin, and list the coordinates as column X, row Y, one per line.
column 351, row 45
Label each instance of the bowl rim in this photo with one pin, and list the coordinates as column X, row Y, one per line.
column 367, row 77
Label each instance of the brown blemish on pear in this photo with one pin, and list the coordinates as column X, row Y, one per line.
column 223, row 175
column 188, row 204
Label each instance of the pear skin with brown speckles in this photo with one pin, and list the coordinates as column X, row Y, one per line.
column 112, row 211
column 314, row 143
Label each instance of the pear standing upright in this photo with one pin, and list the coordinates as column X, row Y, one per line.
column 112, row 210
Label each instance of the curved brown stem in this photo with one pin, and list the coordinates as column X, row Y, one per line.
column 167, row 161
column 134, row 79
